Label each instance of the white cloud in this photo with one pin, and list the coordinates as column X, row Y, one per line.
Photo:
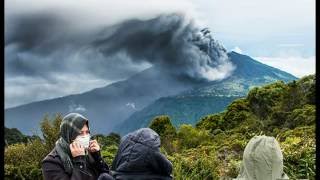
column 76, row 108
column 131, row 105
column 256, row 25
column 297, row 66
column 237, row 50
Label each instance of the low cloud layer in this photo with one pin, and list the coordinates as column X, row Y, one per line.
column 297, row 66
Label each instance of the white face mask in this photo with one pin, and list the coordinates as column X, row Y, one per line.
column 84, row 140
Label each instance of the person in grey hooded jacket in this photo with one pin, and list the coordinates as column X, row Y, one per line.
column 139, row 157
column 262, row 160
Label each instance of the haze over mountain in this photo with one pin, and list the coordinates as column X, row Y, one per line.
column 212, row 97
column 181, row 54
column 183, row 57
column 185, row 99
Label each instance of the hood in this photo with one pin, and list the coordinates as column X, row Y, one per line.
column 262, row 160
column 145, row 136
column 139, row 152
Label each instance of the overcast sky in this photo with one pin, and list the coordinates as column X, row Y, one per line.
column 46, row 52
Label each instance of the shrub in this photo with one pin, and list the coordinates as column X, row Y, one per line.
column 211, row 122
column 298, row 146
column 108, row 153
column 163, row 126
column 302, row 116
column 261, row 100
column 190, row 137
column 23, row 160
column 198, row 163
column 109, row 140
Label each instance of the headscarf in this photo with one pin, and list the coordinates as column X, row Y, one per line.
column 70, row 128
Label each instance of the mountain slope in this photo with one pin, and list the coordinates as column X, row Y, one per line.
column 109, row 106
column 104, row 106
column 191, row 105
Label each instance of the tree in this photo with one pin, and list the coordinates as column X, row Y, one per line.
column 109, row 140
column 308, row 88
column 163, row 126
column 211, row 122
column 13, row 136
column 50, row 129
column 261, row 100
column 23, row 160
column 237, row 112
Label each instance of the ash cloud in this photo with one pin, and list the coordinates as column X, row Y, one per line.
column 171, row 42
column 40, row 44
column 58, row 45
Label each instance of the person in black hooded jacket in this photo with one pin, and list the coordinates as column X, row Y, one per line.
column 139, row 157
column 75, row 156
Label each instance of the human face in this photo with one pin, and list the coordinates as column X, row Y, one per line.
column 84, row 137
column 84, row 131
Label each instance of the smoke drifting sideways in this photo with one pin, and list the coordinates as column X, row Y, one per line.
column 46, row 50
column 170, row 42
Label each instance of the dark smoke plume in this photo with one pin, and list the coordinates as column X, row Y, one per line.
column 170, row 42
column 56, row 48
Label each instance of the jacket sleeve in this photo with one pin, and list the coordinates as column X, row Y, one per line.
column 161, row 164
column 53, row 170
column 100, row 164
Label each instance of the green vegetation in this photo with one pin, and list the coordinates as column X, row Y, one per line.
column 13, row 136
column 23, row 159
column 212, row 148
column 109, row 146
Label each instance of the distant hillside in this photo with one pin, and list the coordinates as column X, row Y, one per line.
column 105, row 106
column 270, row 108
column 212, row 97
column 109, row 106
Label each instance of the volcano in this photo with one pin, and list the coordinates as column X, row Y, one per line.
column 129, row 104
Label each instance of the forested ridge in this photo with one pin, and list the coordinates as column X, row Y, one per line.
column 212, row 148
